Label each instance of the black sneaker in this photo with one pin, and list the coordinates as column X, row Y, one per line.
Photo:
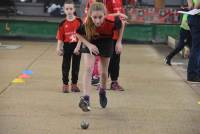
column 167, row 61
column 103, row 99
column 84, row 105
column 95, row 81
column 195, row 79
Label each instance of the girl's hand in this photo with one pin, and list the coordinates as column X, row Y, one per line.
column 59, row 51
column 123, row 16
column 93, row 50
column 77, row 50
column 124, row 22
column 118, row 48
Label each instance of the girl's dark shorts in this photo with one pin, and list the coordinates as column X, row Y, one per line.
column 104, row 45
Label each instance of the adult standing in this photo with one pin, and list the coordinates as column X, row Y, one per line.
column 193, row 71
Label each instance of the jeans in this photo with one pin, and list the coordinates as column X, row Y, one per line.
column 193, row 71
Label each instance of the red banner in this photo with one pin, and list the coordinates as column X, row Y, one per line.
column 151, row 15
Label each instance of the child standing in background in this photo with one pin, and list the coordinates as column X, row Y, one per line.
column 66, row 44
column 116, row 7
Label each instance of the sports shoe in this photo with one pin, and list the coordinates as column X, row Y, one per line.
column 84, row 105
column 194, row 79
column 95, row 80
column 102, row 98
column 167, row 61
column 65, row 88
column 98, row 87
column 75, row 88
column 116, row 87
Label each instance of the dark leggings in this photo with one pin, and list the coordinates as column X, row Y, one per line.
column 114, row 67
column 185, row 38
column 68, row 55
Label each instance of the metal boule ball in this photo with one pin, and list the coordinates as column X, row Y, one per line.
column 84, row 124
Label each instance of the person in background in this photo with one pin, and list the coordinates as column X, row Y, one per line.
column 67, row 35
column 115, row 7
column 184, row 39
column 193, row 70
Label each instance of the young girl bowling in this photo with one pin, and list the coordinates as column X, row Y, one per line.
column 115, row 8
column 97, row 42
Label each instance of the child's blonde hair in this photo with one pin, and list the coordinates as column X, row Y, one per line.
column 89, row 25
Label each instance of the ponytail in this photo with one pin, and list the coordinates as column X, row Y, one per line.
column 90, row 28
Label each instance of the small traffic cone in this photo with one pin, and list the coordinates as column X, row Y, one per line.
column 28, row 72
column 24, row 76
column 18, row 80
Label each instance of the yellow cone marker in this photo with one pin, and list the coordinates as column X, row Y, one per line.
column 18, row 80
column 199, row 102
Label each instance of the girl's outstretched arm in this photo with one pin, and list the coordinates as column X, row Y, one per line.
column 92, row 48
column 121, row 15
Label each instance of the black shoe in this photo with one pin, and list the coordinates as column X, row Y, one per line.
column 103, row 99
column 167, row 61
column 95, row 81
column 84, row 105
column 196, row 79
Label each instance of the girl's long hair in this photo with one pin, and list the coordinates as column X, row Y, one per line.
column 90, row 28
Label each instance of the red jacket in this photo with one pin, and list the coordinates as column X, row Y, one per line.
column 114, row 6
column 67, row 30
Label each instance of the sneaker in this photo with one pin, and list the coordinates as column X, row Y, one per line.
column 194, row 80
column 98, row 87
column 65, row 88
column 167, row 61
column 103, row 99
column 75, row 88
column 116, row 87
column 95, row 80
column 84, row 105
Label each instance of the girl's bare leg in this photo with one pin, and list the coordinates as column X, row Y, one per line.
column 87, row 73
column 89, row 60
column 104, row 71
